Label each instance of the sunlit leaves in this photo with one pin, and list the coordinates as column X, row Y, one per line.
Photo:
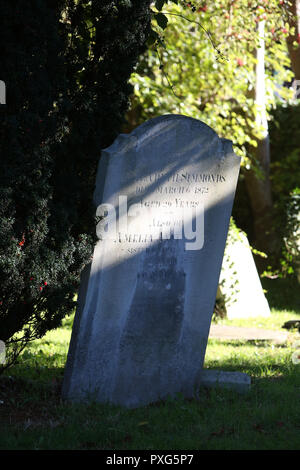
column 207, row 68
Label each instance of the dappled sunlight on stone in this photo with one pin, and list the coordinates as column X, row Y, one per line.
column 146, row 300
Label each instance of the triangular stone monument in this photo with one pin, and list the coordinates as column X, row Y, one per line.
column 240, row 282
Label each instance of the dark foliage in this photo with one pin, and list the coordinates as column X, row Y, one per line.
column 66, row 66
column 285, row 177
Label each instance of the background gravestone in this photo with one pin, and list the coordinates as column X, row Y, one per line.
column 146, row 301
column 240, row 283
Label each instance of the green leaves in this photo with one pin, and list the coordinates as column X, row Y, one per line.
column 49, row 153
column 159, row 4
column 161, row 20
column 153, row 37
column 220, row 92
column 126, row 3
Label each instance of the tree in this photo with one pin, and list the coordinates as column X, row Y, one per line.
column 293, row 39
column 259, row 185
column 66, row 67
column 208, row 63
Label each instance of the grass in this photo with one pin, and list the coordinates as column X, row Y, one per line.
column 33, row 415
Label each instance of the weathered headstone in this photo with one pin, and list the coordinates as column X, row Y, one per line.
column 240, row 283
column 146, row 301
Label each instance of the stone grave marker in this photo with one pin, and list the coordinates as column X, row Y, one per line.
column 164, row 195
column 240, row 282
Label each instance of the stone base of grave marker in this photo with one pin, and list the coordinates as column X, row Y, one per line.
column 146, row 302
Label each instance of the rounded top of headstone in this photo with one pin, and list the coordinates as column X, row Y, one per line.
column 168, row 128
column 166, row 119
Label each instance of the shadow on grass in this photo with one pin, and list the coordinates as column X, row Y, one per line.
column 283, row 294
column 36, row 378
column 35, row 417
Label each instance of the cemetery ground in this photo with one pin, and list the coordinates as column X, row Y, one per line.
column 33, row 416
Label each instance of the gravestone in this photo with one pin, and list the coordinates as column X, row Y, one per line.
column 240, row 282
column 164, row 195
